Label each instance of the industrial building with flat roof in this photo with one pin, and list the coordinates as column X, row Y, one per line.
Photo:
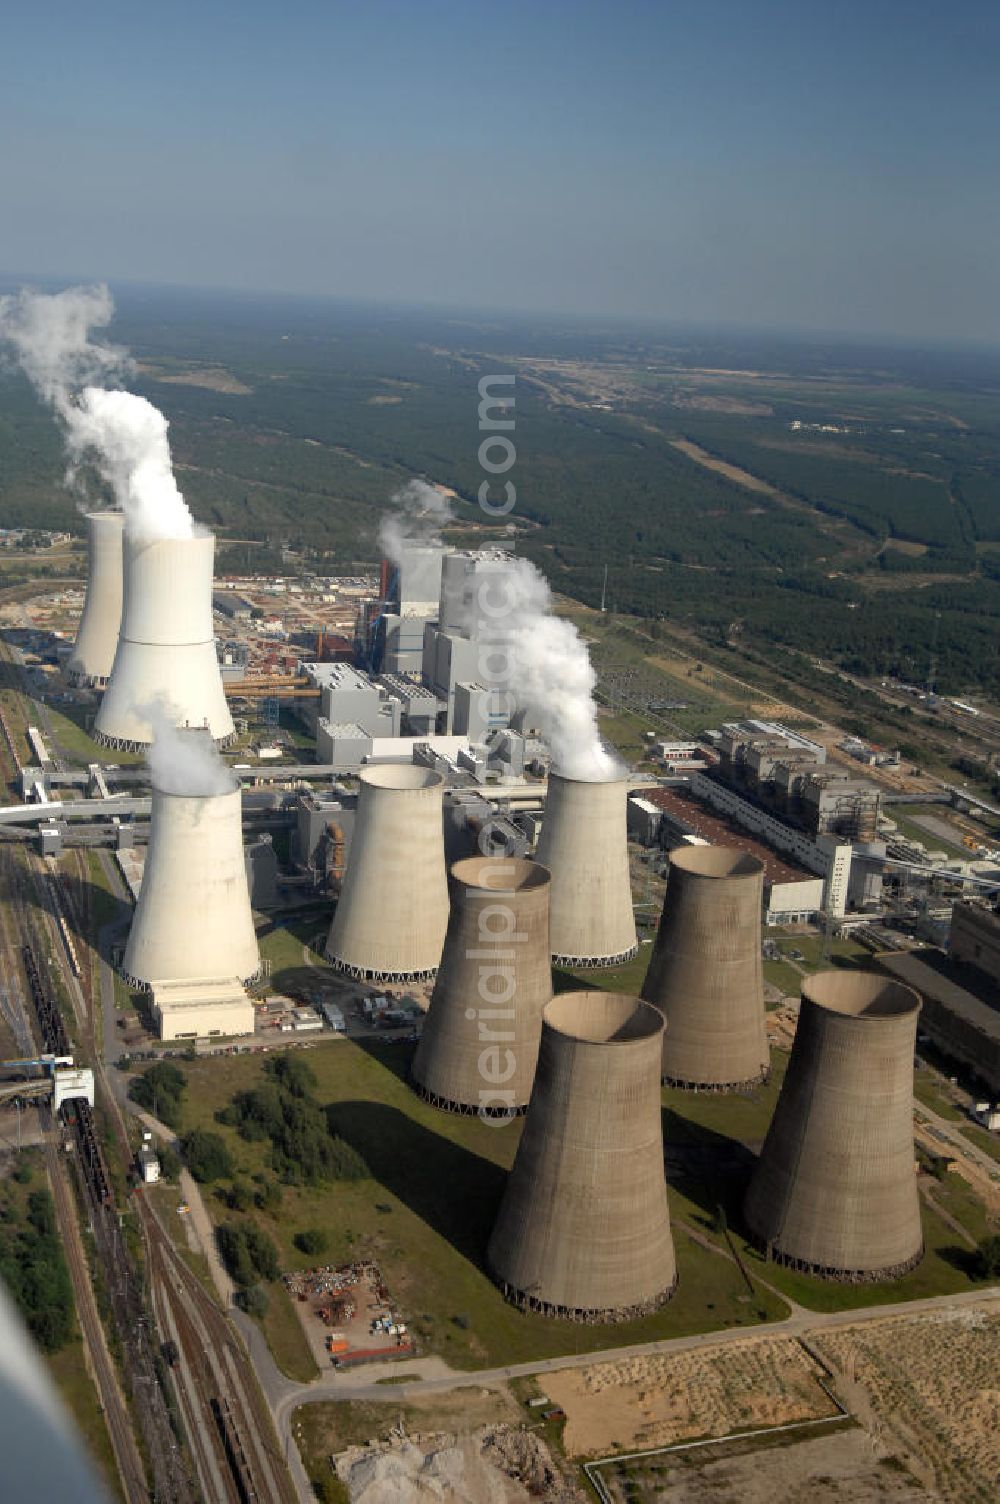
column 791, row 892
column 960, row 1022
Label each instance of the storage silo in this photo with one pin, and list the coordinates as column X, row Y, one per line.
column 97, row 635
column 166, row 651
column 584, row 844
column 706, row 971
column 192, row 920
column 834, row 1192
column 392, row 914
column 583, row 1230
column 479, row 1044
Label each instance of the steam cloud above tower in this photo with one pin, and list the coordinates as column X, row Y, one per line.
column 551, row 675
column 183, row 761
column 124, row 435
column 422, row 511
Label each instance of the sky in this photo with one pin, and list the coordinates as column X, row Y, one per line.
column 822, row 165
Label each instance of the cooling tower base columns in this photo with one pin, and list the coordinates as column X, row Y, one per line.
column 367, row 974
column 839, row 1276
column 467, row 1109
column 595, row 963
column 136, row 984
column 722, row 1088
column 123, row 744
column 609, row 1317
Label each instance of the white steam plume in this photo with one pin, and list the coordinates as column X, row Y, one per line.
column 422, row 512
column 548, row 668
column 123, row 434
column 181, row 760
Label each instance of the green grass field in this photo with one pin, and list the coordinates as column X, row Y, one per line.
column 436, row 1181
column 426, row 1215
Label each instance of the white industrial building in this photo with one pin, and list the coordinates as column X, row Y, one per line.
column 827, row 855
column 213, row 1008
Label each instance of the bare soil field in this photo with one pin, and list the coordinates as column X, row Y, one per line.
column 931, row 1385
column 837, row 1469
column 657, row 1400
column 722, row 467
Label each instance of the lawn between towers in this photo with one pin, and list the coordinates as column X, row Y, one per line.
column 436, row 1180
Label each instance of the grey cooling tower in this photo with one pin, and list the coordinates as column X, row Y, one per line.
column 166, row 651
column 706, row 974
column 392, row 913
column 583, row 1231
column 584, row 844
column 479, row 1044
column 835, row 1191
column 97, row 635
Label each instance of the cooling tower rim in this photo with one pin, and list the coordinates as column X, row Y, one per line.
column 106, row 514
column 139, row 544
column 716, row 862
column 580, row 783
column 596, row 1017
column 401, row 778
column 513, row 874
column 864, row 995
column 200, row 798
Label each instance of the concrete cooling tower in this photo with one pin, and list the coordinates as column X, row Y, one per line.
column 479, row 1044
column 583, row 1230
column 835, row 1192
column 97, row 635
column 706, row 973
column 192, row 920
column 585, row 847
column 392, row 913
column 166, row 651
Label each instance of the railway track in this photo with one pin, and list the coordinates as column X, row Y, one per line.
column 245, row 1443
column 116, row 1416
column 13, row 928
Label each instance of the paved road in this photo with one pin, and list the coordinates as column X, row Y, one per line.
column 284, row 1395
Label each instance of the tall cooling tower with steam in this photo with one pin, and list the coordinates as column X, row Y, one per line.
column 706, row 973
column 585, row 847
column 834, row 1191
column 393, row 908
column 166, row 651
column 193, row 920
column 479, row 1044
column 97, row 635
column 583, row 1230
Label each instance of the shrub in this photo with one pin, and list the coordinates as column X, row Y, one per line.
column 988, row 1257
column 159, row 1090
column 312, row 1241
column 248, row 1253
column 206, row 1155
column 253, row 1300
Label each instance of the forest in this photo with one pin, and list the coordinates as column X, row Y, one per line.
column 875, row 530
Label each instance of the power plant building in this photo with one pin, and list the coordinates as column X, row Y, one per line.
column 583, row 1230
column 97, row 635
column 485, row 1015
column 706, row 971
column 192, row 941
column 834, row 1192
column 166, row 650
column 392, row 913
column 584, row 844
